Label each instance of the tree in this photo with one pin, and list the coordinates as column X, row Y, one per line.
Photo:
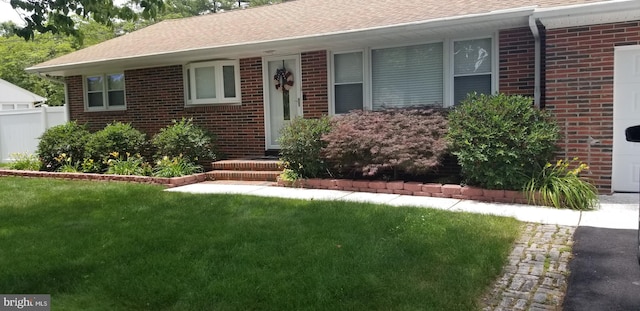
column 57, row 16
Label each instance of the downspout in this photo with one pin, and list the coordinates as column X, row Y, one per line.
column 537, row 61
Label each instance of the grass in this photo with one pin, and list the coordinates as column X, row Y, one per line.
column 116, row 246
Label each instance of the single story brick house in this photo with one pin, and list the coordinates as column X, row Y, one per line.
column 579, row 59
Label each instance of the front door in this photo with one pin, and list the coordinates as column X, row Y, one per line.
column 282, row 96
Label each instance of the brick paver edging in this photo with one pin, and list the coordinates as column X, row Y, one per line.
column 412, row 188
column 167, row 182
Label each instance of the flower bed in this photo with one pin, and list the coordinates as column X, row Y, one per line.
column 167, row 182
column 412, row 188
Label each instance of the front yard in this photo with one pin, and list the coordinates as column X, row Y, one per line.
column 119, row 246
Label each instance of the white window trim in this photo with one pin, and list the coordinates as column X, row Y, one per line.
column 220, row 99
column 448, row 64
column 366, row 78
column 105, row 93
column 495, row 59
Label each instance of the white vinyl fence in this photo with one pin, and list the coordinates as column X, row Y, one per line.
column 20, row 129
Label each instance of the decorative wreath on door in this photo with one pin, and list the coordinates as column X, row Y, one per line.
column 283, row 79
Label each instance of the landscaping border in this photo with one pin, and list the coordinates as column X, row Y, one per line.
column 167, row 182
column 412, row 188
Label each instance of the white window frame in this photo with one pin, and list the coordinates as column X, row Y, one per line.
column 366, row 79
column 448, row 70
column 190, row 88
column 495, row 59
column 105, row 93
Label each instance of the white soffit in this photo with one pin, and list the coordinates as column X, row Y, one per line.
column 589, row 14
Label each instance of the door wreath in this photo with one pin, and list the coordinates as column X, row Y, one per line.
column 283, row 79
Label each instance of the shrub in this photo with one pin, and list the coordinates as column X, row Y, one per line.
column 500, row 139
column 184, row 139
column 175, row 167
column 115, row 137
column 24, row 162
column 300, row 146
column 69, row 138
column 559, row 186
column 127, row 164
column 397, row 140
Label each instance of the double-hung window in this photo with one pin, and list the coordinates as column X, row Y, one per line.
column 215, row 82
column 348, row 82
column 105, row 92
column 472, row 68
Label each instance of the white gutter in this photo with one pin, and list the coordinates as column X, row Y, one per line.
column 590, row 13
column 537, row 62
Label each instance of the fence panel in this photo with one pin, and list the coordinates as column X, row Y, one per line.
column 20, row 129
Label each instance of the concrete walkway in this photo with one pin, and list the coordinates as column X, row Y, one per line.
column 618, row 211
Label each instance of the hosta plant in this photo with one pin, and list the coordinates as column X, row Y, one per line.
column 560, row 186
column 24, row 162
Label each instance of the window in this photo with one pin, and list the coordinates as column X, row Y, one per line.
column 439, row 74
column 215, row 82
column 472, row 68
column 407, row 76
column 105, row 92
column 348, row 82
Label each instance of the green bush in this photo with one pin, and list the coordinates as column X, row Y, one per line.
column 185, row 139
column 115, row 137
column 69, row 139
column 559, row 186
column 300, row 146
column 24, row 162
column 499, row 140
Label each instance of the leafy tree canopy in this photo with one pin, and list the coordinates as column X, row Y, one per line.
column 57, row 16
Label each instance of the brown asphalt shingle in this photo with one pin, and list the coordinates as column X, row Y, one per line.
column 299, row 18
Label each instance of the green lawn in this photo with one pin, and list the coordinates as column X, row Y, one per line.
column 117, row 246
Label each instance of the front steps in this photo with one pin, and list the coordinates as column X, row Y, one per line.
column 246, row 170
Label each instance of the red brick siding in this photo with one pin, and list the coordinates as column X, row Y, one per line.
column 579, row 91
column 315, row 84
column 517, row 60
column 155, row 97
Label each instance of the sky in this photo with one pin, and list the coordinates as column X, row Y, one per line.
column 7, row 13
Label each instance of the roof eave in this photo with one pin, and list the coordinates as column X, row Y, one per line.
column 515, row 17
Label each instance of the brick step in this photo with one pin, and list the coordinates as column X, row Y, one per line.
column 243, row 175
column 247, row 165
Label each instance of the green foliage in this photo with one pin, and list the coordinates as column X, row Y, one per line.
column 24, row 162
column 69, row 139
column 58, row 16
column 17, row 54
column 115, row 137
column 90, row 166
column 175, row 167
column 300, row 146
column 66, row 164
column 410, row 141
column 560, row 186
column 185, row 139
column 127, row 164
column 500, row 139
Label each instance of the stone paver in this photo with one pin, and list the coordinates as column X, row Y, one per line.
column 535, row 276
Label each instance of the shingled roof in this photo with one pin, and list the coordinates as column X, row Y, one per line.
column 285, row 21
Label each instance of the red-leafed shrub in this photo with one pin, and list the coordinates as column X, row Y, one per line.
column 408, row 141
